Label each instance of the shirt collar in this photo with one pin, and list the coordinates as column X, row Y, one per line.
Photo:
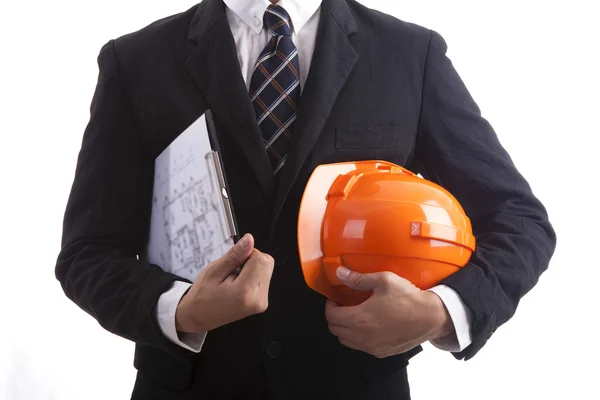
column 252, row 12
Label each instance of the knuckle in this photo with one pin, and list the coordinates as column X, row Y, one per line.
column 251, row 303
column 266, row 260
column 387, row 278
column 258, row 306
column 386, row 275
column 245, row 298
column 263, row 305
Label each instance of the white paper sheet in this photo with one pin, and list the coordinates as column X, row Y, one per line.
column 188, row 228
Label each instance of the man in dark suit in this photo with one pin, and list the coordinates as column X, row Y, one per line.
column 291, row 87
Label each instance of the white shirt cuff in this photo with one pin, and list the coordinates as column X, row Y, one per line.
column 165, row 313
column 461, row 319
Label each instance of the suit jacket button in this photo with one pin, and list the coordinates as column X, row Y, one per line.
column 280, row 257
column 273, row 350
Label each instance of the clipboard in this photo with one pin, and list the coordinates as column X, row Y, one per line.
column 192, row 221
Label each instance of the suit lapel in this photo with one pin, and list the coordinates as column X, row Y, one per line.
column 333, row 60
column 215, row 69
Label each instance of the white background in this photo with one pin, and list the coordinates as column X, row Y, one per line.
column 533, row 68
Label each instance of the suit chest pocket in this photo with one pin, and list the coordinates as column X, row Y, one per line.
column 388, row 143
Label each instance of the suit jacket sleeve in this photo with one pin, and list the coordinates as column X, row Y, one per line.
column 457, row 148
column 106, row 220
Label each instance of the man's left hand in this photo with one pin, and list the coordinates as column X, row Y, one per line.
column 396, row 318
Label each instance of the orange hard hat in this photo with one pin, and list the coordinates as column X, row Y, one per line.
column 373, row 216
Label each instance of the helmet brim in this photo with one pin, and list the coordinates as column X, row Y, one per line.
column 310, row 224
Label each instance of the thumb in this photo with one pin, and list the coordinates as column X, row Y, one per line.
column 233, row 259
column 359, row 281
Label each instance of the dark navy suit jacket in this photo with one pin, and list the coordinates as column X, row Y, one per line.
column 378, row 88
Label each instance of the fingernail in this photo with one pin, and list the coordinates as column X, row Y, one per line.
column 342, row 272
column 245, row 241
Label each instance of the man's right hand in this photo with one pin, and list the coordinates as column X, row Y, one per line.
column 219, row 296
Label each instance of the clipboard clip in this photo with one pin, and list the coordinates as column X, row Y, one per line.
column 217, row 171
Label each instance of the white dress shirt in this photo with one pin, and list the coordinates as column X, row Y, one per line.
column 246, row 22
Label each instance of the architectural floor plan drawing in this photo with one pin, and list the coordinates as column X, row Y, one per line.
column 188, row 227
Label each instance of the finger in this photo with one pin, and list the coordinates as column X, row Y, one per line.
column 340, row 315
column 347, row 338
column 330, row 313
column 342, row 332
column 235, row 257
column 351, row 344
column 405, row 347
column 257, row 272
column 330, row 304
column 362, row 282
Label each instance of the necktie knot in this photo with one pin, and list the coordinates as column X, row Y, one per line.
column 277, row 20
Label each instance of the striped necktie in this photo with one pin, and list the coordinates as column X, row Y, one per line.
column 275, row 87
